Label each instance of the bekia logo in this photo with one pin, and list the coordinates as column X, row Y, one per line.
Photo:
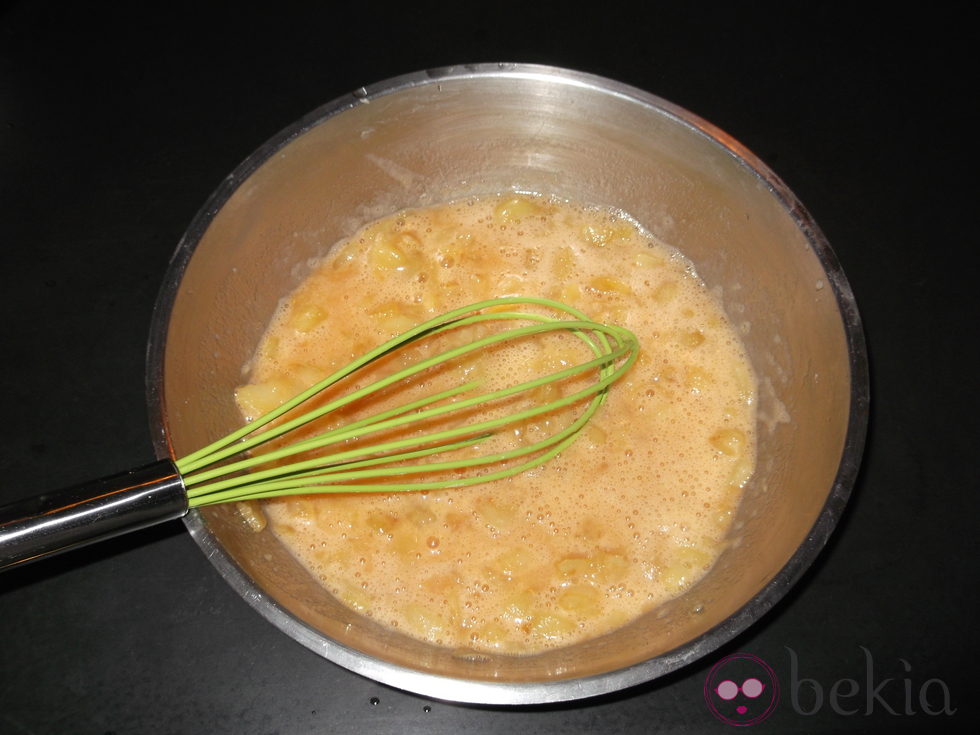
column 742, row 690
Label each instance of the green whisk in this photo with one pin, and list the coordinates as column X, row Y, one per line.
column 339, row 459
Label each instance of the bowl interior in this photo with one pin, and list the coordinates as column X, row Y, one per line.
column 430, row 137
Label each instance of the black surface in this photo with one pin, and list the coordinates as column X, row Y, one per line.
column 115, row 126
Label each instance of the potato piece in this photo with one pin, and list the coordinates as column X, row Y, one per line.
column 431, row 302
column 665, row 292
column 269, row 349
column 304, row 376
column 512, row 563
column 450, row 254
column 355, row 598
column 425, row 620
column 381, row 522
column 610, row 285
column 595, row 436
column 421, row 515
column 408, row 543
column 399, row 252
column 517, row 608
column 552, row 627
column 257, row 399
column 686, row 566
column 610, row 568
column 496, row 514
column 601, row 235
column 251, row 513
column 581, row 600
column 516, row 209
column 744, row 381
column 648, row 260
column 574, row 567
column 563, row 263
column 546, row 393
column 492, row 635
column 692, row 339
column 301, row 510
column 457, row 522
column 441, row 585
column 394, row 317
column 604, row 567
column 307, row 317
column 730, row 442
column 667, row 374
column 386, row 255
column 569, row 294
column 741, row 472
column 696, row 378
column 531, row 258
column 613, row 315
column 511, row 285
column 590, row 529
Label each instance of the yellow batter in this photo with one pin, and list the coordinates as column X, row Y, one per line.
column 628, row 517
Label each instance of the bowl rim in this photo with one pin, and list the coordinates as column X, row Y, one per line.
column 548, row 691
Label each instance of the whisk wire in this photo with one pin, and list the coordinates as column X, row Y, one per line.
column 338, row 466
column 333, row 472
column 375, row 424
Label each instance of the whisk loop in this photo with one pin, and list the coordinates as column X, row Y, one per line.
column 213, row 475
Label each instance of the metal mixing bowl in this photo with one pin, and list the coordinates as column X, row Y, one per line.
column 446, row 133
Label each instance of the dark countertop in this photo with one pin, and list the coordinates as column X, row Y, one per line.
column 116, row 125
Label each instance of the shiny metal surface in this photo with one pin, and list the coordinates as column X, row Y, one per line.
column 82, row 514
column 446, row 133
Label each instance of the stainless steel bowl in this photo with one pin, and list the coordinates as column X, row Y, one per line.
column 445, row 133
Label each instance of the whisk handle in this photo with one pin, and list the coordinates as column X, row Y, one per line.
column 82, row 514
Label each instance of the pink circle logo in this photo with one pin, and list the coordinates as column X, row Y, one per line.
column 741, row 690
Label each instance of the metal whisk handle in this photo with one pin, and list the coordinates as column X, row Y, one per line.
column 65, row 519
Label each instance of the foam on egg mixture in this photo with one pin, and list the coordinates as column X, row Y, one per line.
column 628, row 517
